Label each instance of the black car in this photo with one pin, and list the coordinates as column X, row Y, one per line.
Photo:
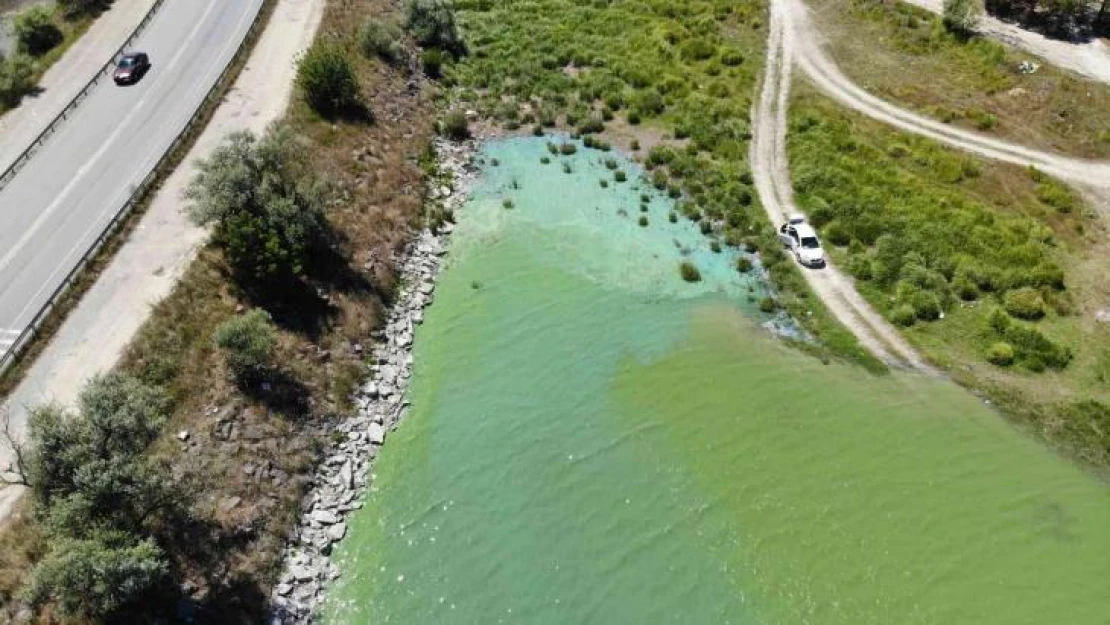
column 131, row 68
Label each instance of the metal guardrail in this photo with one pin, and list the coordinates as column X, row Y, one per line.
column 137, row 194
column 39, row 140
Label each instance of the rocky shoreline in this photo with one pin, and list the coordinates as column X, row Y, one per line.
column 343, row 477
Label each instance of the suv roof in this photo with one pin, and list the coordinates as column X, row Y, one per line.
column 804, row 230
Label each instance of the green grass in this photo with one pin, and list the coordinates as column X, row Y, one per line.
column 904, row 54
column 923, row 225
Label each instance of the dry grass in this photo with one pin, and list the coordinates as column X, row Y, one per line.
column 250, row 457
column 902, row 54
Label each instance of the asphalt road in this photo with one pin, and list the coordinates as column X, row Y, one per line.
column 58, row 204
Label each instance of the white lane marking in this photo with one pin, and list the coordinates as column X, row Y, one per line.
column 215, row 69
column 68, row 189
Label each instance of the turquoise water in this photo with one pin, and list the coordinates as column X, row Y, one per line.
column 594, row 440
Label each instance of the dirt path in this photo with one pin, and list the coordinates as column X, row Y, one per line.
column 823, row 71
column 772, row 180
column 1091, row 59
column 164, row 243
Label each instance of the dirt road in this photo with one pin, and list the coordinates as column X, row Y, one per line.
column 772, row 180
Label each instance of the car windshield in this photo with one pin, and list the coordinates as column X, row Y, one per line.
column 127, row 61
column 810, row 243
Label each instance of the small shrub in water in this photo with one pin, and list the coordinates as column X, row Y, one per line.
column 494, row 162
column 743, row 264
column 767, row 304
column 645, row 198
column 1000, row 354
column 545, row 160
column 689, row 271
column 643, row 208
column 604, row 183
column 643, row 221
column 567, row 149
column 674, row 191
column 551, row 147
column 507, row 203
column 537, row 131
column 610, row 163
column 620, row 176
column 673, row 217
column 715, row 247
column 567, row 168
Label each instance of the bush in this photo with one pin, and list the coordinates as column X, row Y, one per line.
column 1001, row 354
column 689, row 271
column 327, row 80
column 380, row 39
column 643, row 221
column 904, row 315
column 247, row 342
column 743, row 264
column 35, row 30
column 837, row 234
column 620, row 176
column 266, row 205
column 432, row 62
column 16, row 75
column 432, row 24
column 961, row 16
column 566, row 149
column 93, row 577
column 456, row 126
column 1024, row 303
column 767, row 305
column 965, row 288
column 79, row 7
column 926, row 305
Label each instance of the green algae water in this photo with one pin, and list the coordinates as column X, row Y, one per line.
column 593, row 440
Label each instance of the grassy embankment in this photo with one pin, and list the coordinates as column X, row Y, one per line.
column 672, row 83
column 903, row 54
column 250, row 452
column 992, row 270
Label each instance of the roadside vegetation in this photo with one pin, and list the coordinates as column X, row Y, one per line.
column 1065, row 19
column 988, row 267
column 671, row 83
column 222, row 404
column 906, row 55
column 42, row 34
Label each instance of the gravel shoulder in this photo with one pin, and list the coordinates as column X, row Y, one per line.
column 64, row 79
column 164, row 242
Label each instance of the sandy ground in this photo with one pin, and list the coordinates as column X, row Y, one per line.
column 65, row 78
column 164, row 242
column 1090, row 59
column 772, row 180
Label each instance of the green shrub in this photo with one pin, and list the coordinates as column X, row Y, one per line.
column 432, row 62
column 265, row 202
column 567, row 148
column 604, row 183
column 93, row 577
column 380, row 39
column 1001, row 354
column 635, row 145
column 689, row 271
column 1056, row 195
column 1024, row 303
column 432, row 24
column 904, row 315
column 456, row 126
column 643, row 220
column 744, row 264
column 672, row 217
column 545, row 160
column 35, row 30
column 837, row 234
column 926, row 305
column 965, row 289
column 620, row 176
column 767, row 305
column 16, row 78
column 248, row 342
column 327, row 80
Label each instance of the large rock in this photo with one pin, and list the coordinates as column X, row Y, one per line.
column 324, row 517
column 376, row 433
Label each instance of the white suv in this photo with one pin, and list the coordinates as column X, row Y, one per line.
column 800, row 237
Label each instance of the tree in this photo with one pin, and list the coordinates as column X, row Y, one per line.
column 93, row 577
column 961, row 16
column 16, row 74
column 35, row 30
column 266, row 205
column 432, row 23
column 248, row 343
column 81, row 7
column 327, row 80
